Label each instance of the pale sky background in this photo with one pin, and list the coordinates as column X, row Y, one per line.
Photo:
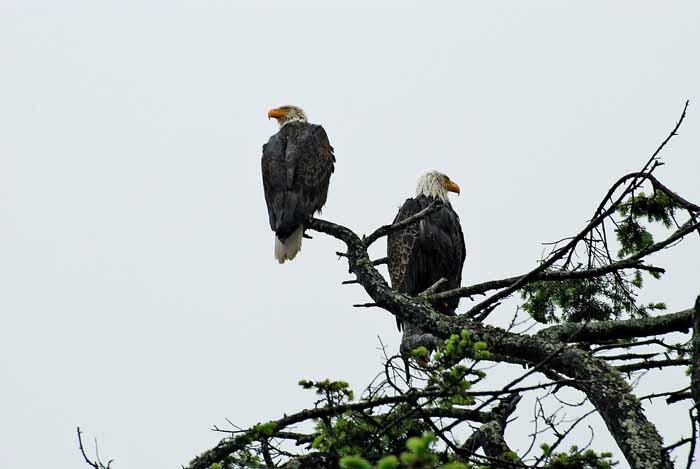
column 140, row 298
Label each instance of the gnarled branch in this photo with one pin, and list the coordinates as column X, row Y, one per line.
column 607, row 390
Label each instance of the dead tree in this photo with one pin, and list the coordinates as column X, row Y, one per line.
column 594, row 337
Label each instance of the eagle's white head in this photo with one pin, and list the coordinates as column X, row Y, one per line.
column 436, row 185
column 287, row 114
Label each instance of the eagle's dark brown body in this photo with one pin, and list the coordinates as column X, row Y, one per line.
column 424, row 252
column 297, row 164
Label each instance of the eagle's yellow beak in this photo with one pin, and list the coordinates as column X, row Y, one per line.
column 453, row 187
column 276, row 113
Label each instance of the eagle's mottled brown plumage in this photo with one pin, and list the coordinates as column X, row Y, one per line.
column 297, row 164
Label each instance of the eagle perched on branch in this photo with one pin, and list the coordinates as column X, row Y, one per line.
column 297, row 164
column 433, row 248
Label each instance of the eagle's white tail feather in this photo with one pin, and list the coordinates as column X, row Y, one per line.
column 287, row 250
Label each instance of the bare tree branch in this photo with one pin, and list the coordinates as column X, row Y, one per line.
column 554, row 276
column 605, row 388
column 97, row 463
column 490, row 435
column 386, row 229
column 695, row 369
column 603, row 331
column 649, row 365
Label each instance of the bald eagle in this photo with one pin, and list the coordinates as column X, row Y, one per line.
column 424, row 252
column 297, row 164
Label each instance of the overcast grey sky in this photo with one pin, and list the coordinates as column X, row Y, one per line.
column 140, row 298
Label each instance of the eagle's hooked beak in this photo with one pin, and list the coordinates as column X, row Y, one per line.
column 453, row 187
column 276, row 113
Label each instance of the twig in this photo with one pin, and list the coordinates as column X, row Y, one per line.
column 648, row 365
column 675, row 445
column 386, row 229
column 549, row 276
column 97, row 464
column 433, row 288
